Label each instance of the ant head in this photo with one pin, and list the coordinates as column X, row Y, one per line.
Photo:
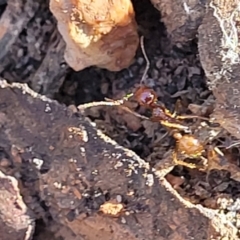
column 145, row 96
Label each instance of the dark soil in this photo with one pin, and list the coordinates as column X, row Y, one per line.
column 175, row 74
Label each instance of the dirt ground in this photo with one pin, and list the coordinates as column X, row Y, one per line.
column 175, row 74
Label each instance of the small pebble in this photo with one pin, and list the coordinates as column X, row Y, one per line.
column 123, row 220
column 119, row 198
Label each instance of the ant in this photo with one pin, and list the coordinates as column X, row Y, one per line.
column 189, row 144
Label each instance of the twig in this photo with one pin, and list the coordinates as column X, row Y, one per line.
column 146, row 59
column 192, row 117
column 98, row 104
column 110, row 103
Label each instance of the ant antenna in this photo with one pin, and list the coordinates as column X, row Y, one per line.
column 146, row 59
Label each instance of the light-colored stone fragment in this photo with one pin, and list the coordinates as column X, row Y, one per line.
column 101, row 33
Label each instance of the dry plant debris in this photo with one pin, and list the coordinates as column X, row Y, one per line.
column 100, row 33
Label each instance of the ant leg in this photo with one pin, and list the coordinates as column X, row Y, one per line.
column 172, row 125
column 182, row 117
column 191, row 117
column 134, row 113
column 182, row 163
column 128, row 109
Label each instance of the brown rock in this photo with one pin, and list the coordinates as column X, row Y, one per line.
column 220, row 57
column 101, row 33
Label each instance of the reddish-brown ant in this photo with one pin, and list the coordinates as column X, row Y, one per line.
column 188, row 143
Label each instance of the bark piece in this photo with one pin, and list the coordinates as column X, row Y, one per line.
column 73, row 169
column 101, row 33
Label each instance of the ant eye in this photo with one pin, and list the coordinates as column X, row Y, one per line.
column 145, row 96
